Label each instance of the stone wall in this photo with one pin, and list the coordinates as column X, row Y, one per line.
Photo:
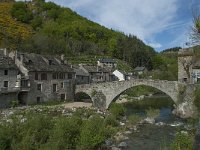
column 7, row 98
column 11, row 77
column 46, row 93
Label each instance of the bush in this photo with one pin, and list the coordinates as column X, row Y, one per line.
column 111, row 121
column 197, row 98
column 65, row 134
column 93, row 134
column 183, row 141
column 117, row 110
column 14, row 103
column 134, row 119
column 152, row 113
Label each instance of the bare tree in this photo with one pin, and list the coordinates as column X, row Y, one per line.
column 195, row 34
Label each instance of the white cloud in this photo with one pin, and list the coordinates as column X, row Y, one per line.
column 143, row 18
column 155, row 45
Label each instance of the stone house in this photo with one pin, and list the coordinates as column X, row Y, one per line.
column 82, row 77
column 140, row 70
column 188, row 66
column 50, row 77
column 97, row 73
column 107, row 62
column 10, row 83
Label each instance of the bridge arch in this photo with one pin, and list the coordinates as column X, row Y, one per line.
column 112, row 89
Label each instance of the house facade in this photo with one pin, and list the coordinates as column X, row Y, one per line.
column 188, row 66
column 50, row 78
column 107, row 62
column 82, row 77
column 97, row 74
column 10, row 83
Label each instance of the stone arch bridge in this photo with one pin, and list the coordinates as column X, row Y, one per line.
column 102, row 94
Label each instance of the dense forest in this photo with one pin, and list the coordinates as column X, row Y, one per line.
column 44, row 27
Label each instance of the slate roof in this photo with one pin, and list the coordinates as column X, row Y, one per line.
column 139, row 69
column 37, row 62
column 6, row 62
column 107, row 60
column 80, row 72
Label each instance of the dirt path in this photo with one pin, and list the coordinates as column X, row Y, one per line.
column 77, row 105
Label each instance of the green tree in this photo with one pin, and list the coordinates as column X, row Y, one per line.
column 21, row 12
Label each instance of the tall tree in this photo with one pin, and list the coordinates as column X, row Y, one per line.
column 195, row 35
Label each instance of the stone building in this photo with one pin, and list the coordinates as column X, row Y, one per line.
column 82, row 77
column 96, row 73
column 50, row 77
column 107, row 62
column 10, row 83
column 188, row 66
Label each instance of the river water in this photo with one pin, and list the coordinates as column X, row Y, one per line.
column 155, row 137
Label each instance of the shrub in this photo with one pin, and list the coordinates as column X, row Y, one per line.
column 134, row 119
column 14, row 103
column 197, row 98
column 111, row 121
column 65, row 134
column 93, row 134
column 152, row 113
column 182, row 141
column 117, row 110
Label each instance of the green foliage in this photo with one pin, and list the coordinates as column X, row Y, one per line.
column 110, row 120
column 65, row 134
column 14, row 103
column 117, row 110
column 183, row 141
column 134, row 119
column 60, row 30
column 197, row 98
column 141, row 90
column 92, row 134
column 146, row 103
column 21, row 12
column 152, row 113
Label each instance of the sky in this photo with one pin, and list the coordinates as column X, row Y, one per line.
column 161, row 24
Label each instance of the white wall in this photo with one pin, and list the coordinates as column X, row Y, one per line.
column 119, row 75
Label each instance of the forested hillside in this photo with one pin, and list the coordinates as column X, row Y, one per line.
column 44, row 27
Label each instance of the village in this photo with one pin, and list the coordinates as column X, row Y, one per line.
column 30, row 78
column 34, row 78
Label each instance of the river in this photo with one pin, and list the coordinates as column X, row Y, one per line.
column 154, row 137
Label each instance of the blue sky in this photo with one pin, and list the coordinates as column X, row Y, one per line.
column 159, row 23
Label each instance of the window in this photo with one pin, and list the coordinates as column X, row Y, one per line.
column 43, row 76
column 198, row 80
column 62, row 76
column 69, row 76
column 54, row 87
column 54, row 76
column 5, row 84
column 36, row 76
column 5, row 72
column 62, row 85
column 39, row 87
column 38, row 100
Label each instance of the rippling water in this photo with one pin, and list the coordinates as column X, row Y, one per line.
column 153, row 137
